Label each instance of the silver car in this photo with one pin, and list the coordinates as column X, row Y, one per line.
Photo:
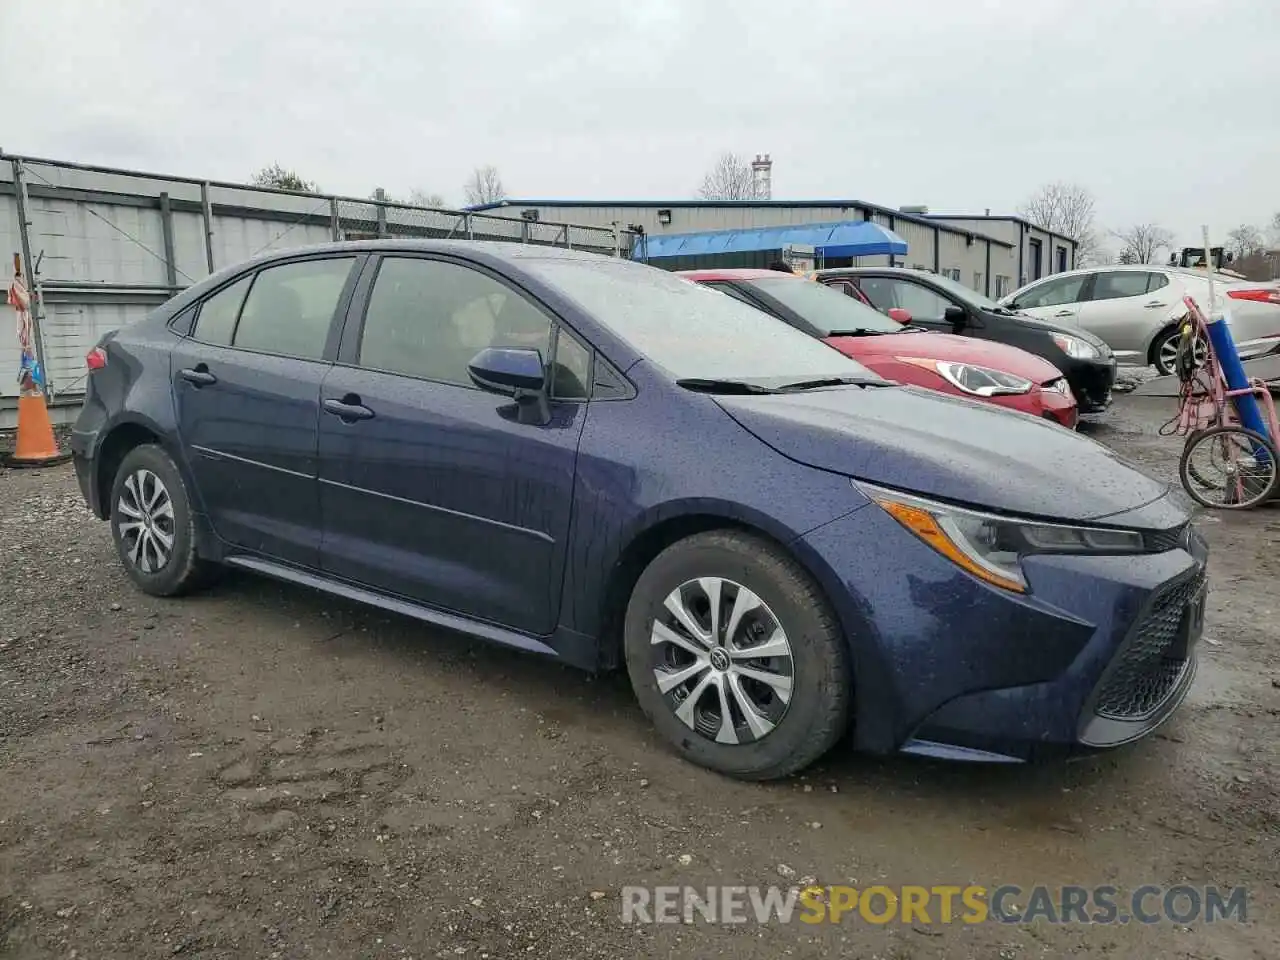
column 1137, row 310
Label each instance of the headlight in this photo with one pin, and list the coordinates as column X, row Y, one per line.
column 1075, row 347
column 989, row 546
column 972, row 379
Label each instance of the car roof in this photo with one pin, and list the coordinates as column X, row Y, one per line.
column 740, row 273
column 491, row 249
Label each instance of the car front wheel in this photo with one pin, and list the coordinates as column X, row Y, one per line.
column 152, row 524
column 1164, row 352
column 736, row 656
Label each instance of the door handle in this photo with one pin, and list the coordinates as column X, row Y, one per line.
column 349, row 409
column 199, row 375
column 1065, row 313
column 1153, row 304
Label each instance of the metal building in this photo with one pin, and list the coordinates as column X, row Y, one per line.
column 988, row 260
column 1039, row 252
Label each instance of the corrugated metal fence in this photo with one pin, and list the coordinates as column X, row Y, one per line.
column 103, row 246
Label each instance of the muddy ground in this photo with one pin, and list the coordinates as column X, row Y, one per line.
column 263, row 771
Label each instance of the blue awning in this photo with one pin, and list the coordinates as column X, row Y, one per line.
column 847, row 238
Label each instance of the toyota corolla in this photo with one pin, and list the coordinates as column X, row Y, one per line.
column 600, row 462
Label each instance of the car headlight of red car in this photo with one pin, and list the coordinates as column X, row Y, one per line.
column 973, row 379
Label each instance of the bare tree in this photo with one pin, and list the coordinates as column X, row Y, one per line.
column 729, row 179
column 1067, row 209
column 1142, row 242
column 423, row 198
column 281, row 179
column 416, row 197
column 484, row 186
column 1274, row 230
column 1245, row 240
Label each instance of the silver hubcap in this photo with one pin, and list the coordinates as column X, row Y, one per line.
column 145, row 522
column 722, row 660
column 1169, row 352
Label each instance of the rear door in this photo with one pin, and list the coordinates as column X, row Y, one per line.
column 246, row 387
column 430, row 488
column 1057, row 300
column 1127, row 307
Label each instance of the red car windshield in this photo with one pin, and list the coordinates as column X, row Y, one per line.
column 831, row 312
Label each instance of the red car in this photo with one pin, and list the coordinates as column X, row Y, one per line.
column 963, row 366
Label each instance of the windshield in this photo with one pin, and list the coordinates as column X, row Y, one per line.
column 689, row 330
column 961, row 292
column 826, row 309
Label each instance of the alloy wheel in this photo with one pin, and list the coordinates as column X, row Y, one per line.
column 1167, row 360
column 145, row 522
column 722, row 660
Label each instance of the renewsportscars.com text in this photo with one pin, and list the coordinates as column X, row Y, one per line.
column 939, row 904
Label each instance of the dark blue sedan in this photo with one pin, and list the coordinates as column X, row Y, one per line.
column 597, row 461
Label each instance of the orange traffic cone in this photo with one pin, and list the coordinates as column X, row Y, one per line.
column 34, row 446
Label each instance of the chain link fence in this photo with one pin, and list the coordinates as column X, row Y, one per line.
column 100, row 247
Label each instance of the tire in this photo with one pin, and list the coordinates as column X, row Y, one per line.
column 150, row 505
column 1257, row 488
column 802, row 709
column 1164, row 351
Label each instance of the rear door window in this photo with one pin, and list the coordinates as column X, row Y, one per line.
column 216, row 321
column 1118, row 284
column 290, row 308
column 880, row 291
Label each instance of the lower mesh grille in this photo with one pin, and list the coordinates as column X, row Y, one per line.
column 1147, row 668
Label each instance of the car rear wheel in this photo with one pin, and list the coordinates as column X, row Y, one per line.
column 152, row 524
column 736, row 657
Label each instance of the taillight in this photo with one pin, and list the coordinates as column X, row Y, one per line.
column 1262, row 295
column 96, row 359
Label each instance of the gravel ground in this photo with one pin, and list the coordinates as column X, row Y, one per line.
column 263, row 771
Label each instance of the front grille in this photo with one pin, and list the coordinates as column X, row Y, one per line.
column 1147, row 668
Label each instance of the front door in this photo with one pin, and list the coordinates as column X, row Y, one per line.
column 430, row 488
column 246, row 387
column 1057, row 300
column 926, row 305
column 1036, row 266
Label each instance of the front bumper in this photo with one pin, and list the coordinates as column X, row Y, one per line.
column 1091, row 382
column 1099, row 653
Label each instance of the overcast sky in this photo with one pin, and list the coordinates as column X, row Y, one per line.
column 1166, row 110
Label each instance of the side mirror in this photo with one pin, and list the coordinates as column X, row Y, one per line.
column 516, row 373
column 956, row 317
column 900, row 315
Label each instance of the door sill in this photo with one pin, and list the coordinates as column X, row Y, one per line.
column 437, row 618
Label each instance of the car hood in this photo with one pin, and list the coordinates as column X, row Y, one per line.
column 948, row 448
column 1036, row 323
column 945, row 346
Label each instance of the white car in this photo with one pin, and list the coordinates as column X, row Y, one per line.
column 1137, row 310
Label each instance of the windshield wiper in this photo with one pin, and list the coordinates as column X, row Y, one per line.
column 834, row 382
column 722, row 386
column 856, row 332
